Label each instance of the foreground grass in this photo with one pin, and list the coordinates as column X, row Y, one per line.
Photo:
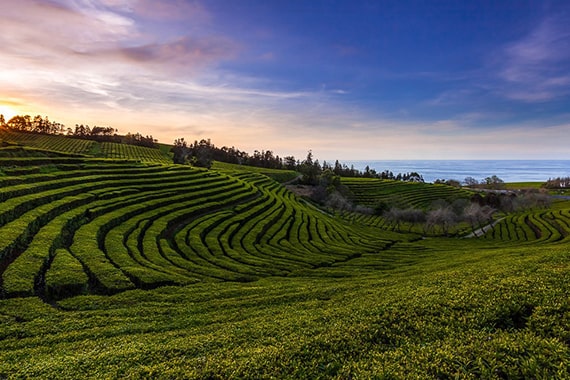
column 468, row 313
column 328, row 297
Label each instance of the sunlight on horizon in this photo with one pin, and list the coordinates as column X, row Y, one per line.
column 7, row 111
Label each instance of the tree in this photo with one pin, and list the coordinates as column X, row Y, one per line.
column 20, row 123
column 472, row 215
column 310, row 170
column 290, row 162
column 453, row 182
column 557, row 183
column 412, row 216
column 180, row 151
column 470, row 182
column 476, row 215
column 329, row 180
column 82, row 130
column 394, row 218
column 381, row 207
column 200, row 153
column 443, row 217
column 494, row 182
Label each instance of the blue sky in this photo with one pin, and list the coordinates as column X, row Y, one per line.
column 347, row 79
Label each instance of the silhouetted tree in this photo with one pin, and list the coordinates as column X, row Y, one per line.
column 20, row 123
column 290, row 163
column 180, row 151
column 310, row 170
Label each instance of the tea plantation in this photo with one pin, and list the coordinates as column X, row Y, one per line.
column 119, row 265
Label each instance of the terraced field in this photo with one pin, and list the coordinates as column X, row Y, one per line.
column 49, row 144
column 133, row 152
column 124, row 269
column 370, row 192
column 110, row 228
column 277, row 174
column 533, row 227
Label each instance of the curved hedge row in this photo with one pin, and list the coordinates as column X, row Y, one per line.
column 531, row 227
column 49, row 144
column 104, row 228
column 133, row 152
column 370, row 192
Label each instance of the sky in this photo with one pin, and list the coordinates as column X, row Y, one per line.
column 349, row 80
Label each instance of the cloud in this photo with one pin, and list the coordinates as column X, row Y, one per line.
column 172, row 10
column 47, row 34
column 159, row 67
column 535, row 68
column 90, row 34
column 185, row 51
column 98, row 53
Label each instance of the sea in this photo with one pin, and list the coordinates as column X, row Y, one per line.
column 507, row 170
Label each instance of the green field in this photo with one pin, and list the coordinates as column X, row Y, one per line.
column 50, row 144
column 124, row 267
column 370, row 192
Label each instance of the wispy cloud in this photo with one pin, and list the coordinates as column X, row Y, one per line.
column 164, row 68
column 535, row 68
column 98, row 52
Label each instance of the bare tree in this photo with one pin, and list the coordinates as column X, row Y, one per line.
column 443, row 217
column 412, row 216
column 394, row 218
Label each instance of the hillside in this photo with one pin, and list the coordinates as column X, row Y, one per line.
column 66, row 145
column 370, row 192
column 119, row 267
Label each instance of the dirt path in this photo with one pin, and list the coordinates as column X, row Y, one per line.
column 481, row 231
column 294, row 180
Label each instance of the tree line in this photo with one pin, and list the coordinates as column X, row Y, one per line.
column 202, row 153
column 42, row 125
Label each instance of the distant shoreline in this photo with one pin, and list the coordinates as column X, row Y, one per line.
column 507, row 170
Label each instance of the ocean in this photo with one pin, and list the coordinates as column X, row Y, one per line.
column 507, row 170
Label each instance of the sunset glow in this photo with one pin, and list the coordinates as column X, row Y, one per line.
column 7, row 112
column 347, row 79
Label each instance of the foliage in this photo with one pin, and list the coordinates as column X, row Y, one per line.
column 494, row 314
column 279, row 175
column 43, row 126
column 492, row 182
column 557, row 183
column 113, row 269
column 56, row 145
column 375, row 192
column 66, row 276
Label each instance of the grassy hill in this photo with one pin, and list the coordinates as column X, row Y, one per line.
column 51, row 144
column 370, row 192
column 131, row 268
